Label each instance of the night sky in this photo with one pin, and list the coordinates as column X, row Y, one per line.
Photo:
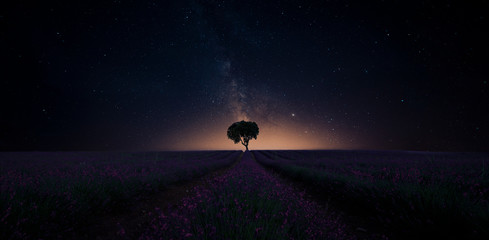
column 174, row 75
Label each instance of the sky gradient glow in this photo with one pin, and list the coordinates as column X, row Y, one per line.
column 173, row 75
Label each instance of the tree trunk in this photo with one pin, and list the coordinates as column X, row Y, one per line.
column 245, row 143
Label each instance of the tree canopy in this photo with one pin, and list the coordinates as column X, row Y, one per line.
column 243, row 132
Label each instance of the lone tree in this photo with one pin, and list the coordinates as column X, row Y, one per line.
column 243, row 132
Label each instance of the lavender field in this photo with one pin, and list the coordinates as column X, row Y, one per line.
column 247, row 202
column 51, row 195
column 410, row 195
column 254, row 195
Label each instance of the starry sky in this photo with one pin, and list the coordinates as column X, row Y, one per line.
column 174, row 75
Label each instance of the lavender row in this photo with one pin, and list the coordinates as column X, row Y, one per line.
column 411, row 193
column 246, row 203
column 48, row 194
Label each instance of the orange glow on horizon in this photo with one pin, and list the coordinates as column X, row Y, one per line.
column 280, row 127
column 271, row 137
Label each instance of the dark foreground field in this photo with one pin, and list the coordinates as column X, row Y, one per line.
column 255, row 195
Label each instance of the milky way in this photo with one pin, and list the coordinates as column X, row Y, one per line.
column 174, row 75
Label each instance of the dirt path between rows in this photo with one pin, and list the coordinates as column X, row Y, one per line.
column 357, row 226
column 248, row 202
column 135, row 219
column 131, row 223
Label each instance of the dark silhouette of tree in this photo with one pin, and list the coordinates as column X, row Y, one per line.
column 243, row 132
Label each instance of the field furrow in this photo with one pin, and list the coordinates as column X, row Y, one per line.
column 55, row 195
column 251, row 195
column 407, row 195
column 246, row 202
